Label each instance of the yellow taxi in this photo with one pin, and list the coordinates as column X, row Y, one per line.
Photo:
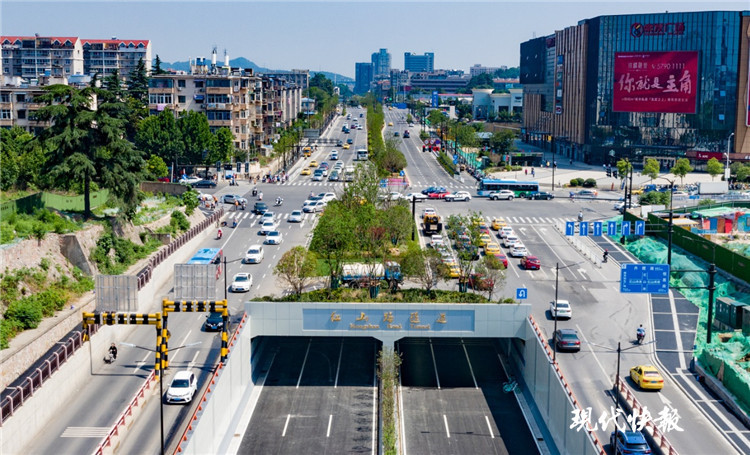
column 638, row 191
column 647, row 377
column 484, row 239
column 305, row 171
column 498, row 223
column 452, row 270
column 491, row 249
column 313, row 163
column 390, row 123
column 345, row 146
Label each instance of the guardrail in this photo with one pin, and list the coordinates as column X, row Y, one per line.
column 657, row 436
column 13, row 397
column 540, row 336
column 127, row 414
column 582, row 246
column 212, row 381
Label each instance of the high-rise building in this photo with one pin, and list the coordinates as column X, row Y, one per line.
column 362, row 77
column 424, row 63
column 381, row 63
column 103, row 56
column 638, row 86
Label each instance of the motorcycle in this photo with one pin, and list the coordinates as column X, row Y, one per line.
column 218, row 236
column 109, row 358
column 279, row 201
column 640, row 336
column 260, row 196
column 234, row 223
column 255, row 191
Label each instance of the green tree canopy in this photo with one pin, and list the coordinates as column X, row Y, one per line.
column 296, row 268
column 223, row 146
column 681, row 168
column 651, row 168
column 197, row 139
column 322, row 82
column 156, row 167
column 159, row 135
column 502, row 141
column 714, row 167
column 623, row 168
column 483, row 80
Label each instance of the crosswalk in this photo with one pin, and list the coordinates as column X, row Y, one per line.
column 307, row 183
column 536, row 220
column 247, row 215
column 85, row 432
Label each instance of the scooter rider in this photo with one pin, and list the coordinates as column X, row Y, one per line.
column 605, row 255
column 580, row 216
column 279, row 200
column 640, row 333
column 219, row 235
column 113, row 351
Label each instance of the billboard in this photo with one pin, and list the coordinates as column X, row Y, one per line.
column 655, row 82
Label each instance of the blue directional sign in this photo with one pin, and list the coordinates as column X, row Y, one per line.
column 598, row 228
column 583, row 228
column 640, row 228
column 455, row 159
column 626, row 228
column 522, row 293
column 570, row 228
column 611, row 227
column 644, row 278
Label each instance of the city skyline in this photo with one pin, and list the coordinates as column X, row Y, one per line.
column 277, row 35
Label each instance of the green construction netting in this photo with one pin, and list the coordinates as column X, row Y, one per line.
column 728, row 356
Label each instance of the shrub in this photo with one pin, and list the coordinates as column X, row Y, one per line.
column 573, row 182
column 26, row 312
column 51, row 300
column 179, row 221
column 589, row 183
column 44, row 264
column 8, row 329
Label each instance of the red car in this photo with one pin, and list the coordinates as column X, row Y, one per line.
column 479, row 282
column 531, row 263
column 437, row 195
column 500, row 256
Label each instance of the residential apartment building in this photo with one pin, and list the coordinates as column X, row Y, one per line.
column 424, row 63
column 230, row 98
column 478, row 69
column 282, row 103
column 301, row 78
column 363, row 76
column 381, row 64
column 35, row 56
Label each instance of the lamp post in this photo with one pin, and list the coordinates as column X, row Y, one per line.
column 670, row 226
column 161, row 381
column 729, row 148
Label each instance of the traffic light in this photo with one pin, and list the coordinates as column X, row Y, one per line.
column 609, row 172
column 614, row 173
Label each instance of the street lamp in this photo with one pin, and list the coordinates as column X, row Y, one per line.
column 670, row 226
column 161, row 381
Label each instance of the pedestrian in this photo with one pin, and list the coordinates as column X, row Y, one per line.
column 236, row 205
column 526, row 172
column 532, row 172
column 612, row 186
column 604, row 256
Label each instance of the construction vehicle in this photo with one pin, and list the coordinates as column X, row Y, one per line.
column 432, row 224
column 356, row 274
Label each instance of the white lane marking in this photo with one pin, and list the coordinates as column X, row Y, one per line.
column 142, row 362
column 286, row 424
column 192, row 362
column 330, row 419
column 85, row 432
column 447, row 430
column 466, row 353
column 304, row 362
column 338, row 367
column 375, row 404
column 492, row 434
column 677, row 331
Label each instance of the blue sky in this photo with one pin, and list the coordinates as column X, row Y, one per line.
column 324, row 36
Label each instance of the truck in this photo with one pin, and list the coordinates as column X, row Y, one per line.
column 431, row 224
column 357, row 273
column 362, row 155
column 713, row 188
column 349, row 173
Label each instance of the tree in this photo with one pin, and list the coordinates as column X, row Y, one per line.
column 483, row 80
column 9, row 158
column 714, row 168
column 681, row 168
column 422, row 264
column 333, row 236
column 651, row 168
column 113, row 85
column 398, row 222
column 223, row 146
column 362, row 190
column 436, row 117
column 322, row 82
column 743, row 171
column 157, row 67
column 296, row 268
column 623, row 168
column 502, row 141
column 196, row 135
column 138, row 83
column 493, row 273
column 159, row 135
column 156, row 167
column 392, row 159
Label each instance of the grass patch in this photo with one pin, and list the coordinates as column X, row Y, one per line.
column 36, row 225
column 154, row 208
column 363, row 295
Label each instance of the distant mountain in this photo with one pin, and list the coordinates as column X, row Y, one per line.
column 242, row 62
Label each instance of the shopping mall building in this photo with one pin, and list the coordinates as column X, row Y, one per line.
column 666, row 85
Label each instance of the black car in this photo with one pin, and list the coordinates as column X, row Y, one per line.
column 567, row 340
column 204, row 184
column 339, row 143
column 214, row 322
column 260, row 208
column 541, row 195
column 350, row 141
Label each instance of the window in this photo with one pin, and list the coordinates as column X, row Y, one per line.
column 4, row 97
column 21, row 113
column 21, row 98
column 181, row 99
column 160, row 98
column 181, row 83
column 5, row 114
column 199, row 84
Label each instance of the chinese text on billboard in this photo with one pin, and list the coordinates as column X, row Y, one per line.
column 655, row 82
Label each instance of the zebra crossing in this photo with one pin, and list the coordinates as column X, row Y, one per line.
column 303, row 183
column 247, row 215
column 528, row 219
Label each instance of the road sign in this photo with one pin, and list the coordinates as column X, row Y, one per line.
column 522, row 293
column 570, row 228
column 640, row 228
column 583, row 228
column 644, row 278
column 598, row 228
column 455, row 159
column 626, row 228
column 611, row 227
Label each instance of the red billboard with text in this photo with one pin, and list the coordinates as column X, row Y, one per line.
column 655, row 82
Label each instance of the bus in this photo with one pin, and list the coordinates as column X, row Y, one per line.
column 207, row 256
column 362, row 155
column 520, row 189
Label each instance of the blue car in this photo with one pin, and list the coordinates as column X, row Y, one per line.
column 434, row 189
column 628, row 442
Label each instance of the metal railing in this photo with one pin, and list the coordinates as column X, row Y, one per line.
column 14, row 396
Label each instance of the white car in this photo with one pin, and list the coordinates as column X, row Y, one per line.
column 679, row 195
column 334, row 155
column 254, row 255
column 295, row 216
column 327, row 197
column 510, row 240
column 502, row 194
column 274, row 238
column 190, row 180
column 618, row 205
column 267, row 216
column 505, row 231
column 182, row 388
column 242, row 282
column 267, row 227
column 518, row 250
column 392, row 196
column 561, row 310
column 428, row 211
column 419, row 197
column 458, row 196
column 317, row 206
column 436, row 239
